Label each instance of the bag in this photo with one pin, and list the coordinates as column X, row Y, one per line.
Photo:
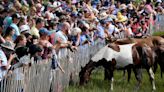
column 54, row 63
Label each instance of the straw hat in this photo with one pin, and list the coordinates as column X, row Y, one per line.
column 123, row 6
column 8, row 46
column 120, row 17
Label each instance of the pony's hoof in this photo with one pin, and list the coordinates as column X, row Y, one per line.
column 154, row 89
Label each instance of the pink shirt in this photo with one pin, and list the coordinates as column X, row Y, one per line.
column 148, row 8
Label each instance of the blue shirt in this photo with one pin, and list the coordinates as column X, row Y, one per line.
column 61, row 36
column 100, row 32
column 83, row 38
column 17, row 32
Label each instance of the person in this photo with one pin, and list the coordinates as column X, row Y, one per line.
column 2, row 40
column 8, row 36
column 110, row 29
column 35, row 29
column 14, row 25
column 61, row 37
column 20, row 41
column 6, row 57
column 44, row 42
column 75, row 36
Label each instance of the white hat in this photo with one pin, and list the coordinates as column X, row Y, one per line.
column 24, row 28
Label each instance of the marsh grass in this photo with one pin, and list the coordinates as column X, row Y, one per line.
column 98, row 84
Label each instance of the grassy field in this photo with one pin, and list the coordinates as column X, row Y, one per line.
column 98, row 84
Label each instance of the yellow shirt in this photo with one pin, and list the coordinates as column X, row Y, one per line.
column 34, row 31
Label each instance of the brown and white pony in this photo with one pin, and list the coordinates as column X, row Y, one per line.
column 157, row 45
column 127, row 56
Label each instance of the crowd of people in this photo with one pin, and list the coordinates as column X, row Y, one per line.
column 40, row 28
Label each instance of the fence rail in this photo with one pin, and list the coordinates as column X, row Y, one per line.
column 40, row 77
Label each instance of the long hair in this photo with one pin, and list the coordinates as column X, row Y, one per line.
column 8, row 31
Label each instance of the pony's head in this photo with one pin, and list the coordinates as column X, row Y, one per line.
column 85, row 72
column 84, row 76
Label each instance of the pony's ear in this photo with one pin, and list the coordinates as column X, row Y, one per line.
column 113, row 62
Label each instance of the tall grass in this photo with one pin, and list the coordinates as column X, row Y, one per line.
column 98, row 84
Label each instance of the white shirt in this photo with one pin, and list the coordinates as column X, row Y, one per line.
column 112, row 29
column 4, row 63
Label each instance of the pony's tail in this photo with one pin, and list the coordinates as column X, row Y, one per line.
column 142, row 54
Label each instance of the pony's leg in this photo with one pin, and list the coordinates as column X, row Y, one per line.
column 161, row 71
column 155, row 67
column 129, row 73
column 111, row 84
column 124, row 74
column 138, row 75
column 112, row 80
column 106, row 74
column 151, row 75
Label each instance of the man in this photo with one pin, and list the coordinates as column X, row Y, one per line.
column 61, row 36
column 110, row 29
column 35, row 29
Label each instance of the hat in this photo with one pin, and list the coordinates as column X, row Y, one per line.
column 103, row 15
column 130, row 6
column 44, row 31
column 120, row 17
column 123, row 6
column 8, row 46
column 75, row 31
column 24, row 28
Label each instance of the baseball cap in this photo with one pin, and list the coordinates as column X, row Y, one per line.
column 44, row 31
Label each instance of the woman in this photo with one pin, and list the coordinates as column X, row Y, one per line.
column 75, row 36
column 20, row 41
column 20, row 47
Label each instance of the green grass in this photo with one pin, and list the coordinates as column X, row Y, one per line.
column 158, row 33
column 98, row 84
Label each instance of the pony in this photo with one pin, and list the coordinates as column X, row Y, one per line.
column 112, row 57
column 156, row 43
